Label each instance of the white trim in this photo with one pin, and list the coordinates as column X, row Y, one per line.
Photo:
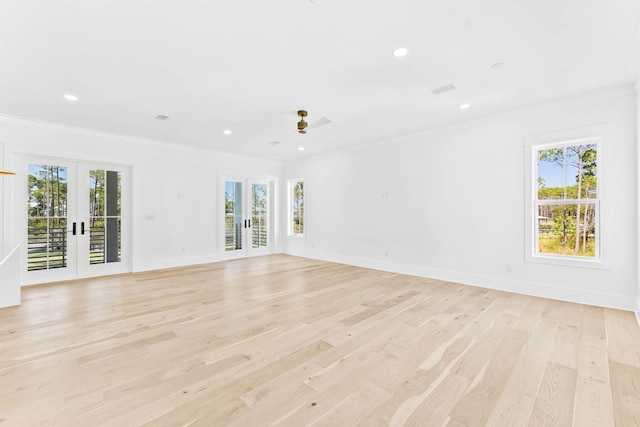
column 562, row 136
column 580, row 296
column 175, row 262
column 10, row 272
column 75, row 269
column 599, row 133
column 568, row 261
column 273, row 213
column 56, row 153
column 44, row 125
column 246, row 174
column 565, row 101
column 290, row 233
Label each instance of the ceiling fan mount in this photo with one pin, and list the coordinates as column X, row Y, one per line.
column 302, row 125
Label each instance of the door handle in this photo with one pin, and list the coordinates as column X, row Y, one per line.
column 82, row 228
column 75, row 229
column 249, row 223
column 245, row 223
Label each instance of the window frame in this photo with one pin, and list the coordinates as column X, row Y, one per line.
column 565, row 201
column 291, row 183
column 598, row 134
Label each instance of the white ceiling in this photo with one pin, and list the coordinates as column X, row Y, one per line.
column 248, row 66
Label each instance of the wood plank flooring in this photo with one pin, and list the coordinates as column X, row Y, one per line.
column 287, row 341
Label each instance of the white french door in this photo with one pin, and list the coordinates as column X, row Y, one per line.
column 75, row 219
column 247, row 218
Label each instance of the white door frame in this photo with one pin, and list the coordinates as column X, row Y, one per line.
column 247, row 181
column 21, row 219
column 85, row 269
column 77, row 263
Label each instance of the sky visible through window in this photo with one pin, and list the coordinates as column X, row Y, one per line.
column 552, row 174
column 40, row 169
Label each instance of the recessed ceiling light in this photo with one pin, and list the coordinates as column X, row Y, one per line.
column 274, row 142
column 300, row 148
column 497, row 65
column 162, row 117
column 226, row 132
column 465, row 106
column 401, row 51
column 70, row 97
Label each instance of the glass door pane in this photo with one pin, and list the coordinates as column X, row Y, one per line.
column 103, row 228
column 246, row 223
column 259, row 211
column 47, row 245
column 233, row 216
column 105, row 216
column 75, row 216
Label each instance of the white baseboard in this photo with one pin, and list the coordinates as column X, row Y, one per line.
column 174, row 263
column 543, row 290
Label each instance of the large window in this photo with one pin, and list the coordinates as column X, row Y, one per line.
column 296, row 207
column 566, row 201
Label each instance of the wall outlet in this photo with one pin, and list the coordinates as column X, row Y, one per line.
column 507, row 268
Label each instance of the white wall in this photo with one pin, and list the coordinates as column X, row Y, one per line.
column 177, row 186
column 3, row 206
column 10, row 275
column 446, row 204
column 637, row 308
column 450, row 203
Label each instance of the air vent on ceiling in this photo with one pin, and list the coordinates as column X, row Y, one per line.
column 162, row 117
column 442, row 89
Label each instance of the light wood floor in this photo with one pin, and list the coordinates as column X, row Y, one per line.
column 287, row 341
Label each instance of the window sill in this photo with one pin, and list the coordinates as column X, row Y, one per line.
column 568, row 261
